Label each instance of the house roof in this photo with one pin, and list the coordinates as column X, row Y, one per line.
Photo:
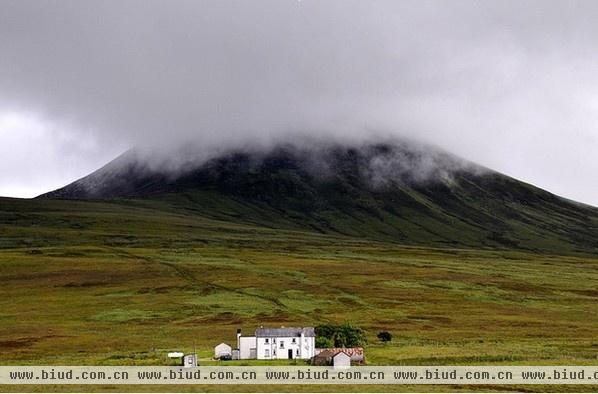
column 285, row 332
column 349, row 351
column 342, row 354
column 325, row 354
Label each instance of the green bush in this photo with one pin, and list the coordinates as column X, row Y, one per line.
column 384, row 336
column 344, row 335
column 323, row 342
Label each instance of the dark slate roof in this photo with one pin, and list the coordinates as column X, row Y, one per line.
column 285, row 332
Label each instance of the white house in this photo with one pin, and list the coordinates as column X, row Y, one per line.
column 278, row 343
column 222, row 350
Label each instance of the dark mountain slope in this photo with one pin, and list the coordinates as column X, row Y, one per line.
column 394, row 192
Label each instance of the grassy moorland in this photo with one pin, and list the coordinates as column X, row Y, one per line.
column 122, row 283
column 369, row 192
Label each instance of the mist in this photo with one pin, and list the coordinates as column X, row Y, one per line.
column 510, row 85
column 385, row 160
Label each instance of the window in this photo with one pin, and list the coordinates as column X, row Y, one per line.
column 281, row 344
column 267, row 340
column 294, row 340
column 297, row 352
column 267, row 352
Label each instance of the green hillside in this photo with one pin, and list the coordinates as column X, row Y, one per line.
column 399, row 192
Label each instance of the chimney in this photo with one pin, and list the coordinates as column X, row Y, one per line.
column 239, row 338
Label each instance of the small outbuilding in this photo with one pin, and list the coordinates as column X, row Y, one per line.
column 222, row 351
column 323, row 358
column 356, row 353
column 346, row 356
column 341, row 360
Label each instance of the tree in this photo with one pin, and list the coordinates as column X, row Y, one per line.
column 384, row 336
column 349, row 335
column 344, row 335
column 326, row 330
column 323, row 342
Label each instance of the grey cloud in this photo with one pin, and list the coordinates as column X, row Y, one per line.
column 509, row 84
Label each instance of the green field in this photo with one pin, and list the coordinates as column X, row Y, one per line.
column 123, row 283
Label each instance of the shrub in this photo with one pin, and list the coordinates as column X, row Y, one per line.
column 344, row 335
column 384, row 336
column 323, row 342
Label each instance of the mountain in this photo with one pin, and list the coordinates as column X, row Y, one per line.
column 394, row 191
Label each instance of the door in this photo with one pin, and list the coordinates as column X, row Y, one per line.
column 290, row 353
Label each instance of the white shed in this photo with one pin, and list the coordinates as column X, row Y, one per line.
column 341, row 360
column 222, row 350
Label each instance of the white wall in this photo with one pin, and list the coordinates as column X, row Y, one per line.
column 302, row 348
column 246, row 344
column 341, row 360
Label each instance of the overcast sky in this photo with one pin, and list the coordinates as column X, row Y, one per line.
column 512, row 85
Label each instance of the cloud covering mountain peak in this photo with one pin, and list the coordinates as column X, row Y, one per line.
column 507, row 84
